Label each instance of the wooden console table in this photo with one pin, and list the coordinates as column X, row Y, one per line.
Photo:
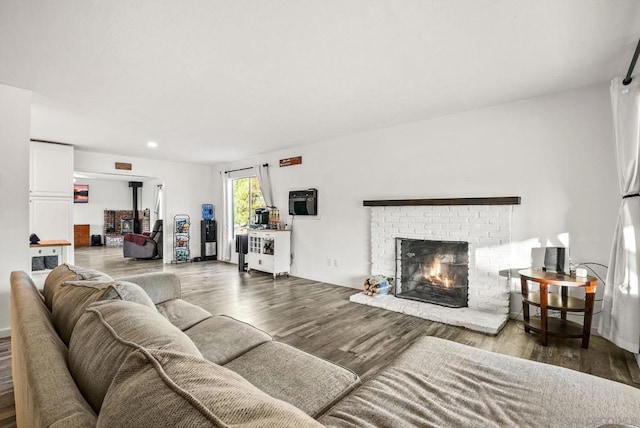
column 560, row 327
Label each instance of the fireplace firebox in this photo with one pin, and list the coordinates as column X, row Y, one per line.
column 126, row 225
column 432, row 271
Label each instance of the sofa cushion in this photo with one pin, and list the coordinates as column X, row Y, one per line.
column 73, row 297
column 308, row 382
column 182, row 314
column 168, row 388
column 160, row 286
column 107, row 333
column 437, row 382
column 67, row 272
column 222, row 338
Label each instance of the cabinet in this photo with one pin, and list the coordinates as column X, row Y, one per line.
column 51, row 218
column 51, row 193
column 51, row 170
column 270, row 251
column 45, row 256
column 81, row 235
column 561, row 327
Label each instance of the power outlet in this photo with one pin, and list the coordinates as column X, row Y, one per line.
column 329, row 262
column 336, row 263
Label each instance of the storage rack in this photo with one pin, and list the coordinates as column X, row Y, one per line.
column 181, row 238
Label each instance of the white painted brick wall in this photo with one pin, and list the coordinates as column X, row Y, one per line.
column 487, row 229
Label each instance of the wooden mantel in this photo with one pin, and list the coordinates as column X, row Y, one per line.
column 505, row 200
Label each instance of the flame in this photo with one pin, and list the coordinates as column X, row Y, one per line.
column 435, row 269
column 434, row 275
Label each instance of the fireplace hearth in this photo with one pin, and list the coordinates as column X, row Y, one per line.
column 432, row 271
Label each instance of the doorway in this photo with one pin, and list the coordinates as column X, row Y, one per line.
column 109, row 204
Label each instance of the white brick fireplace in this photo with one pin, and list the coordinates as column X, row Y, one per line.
column 487, row 229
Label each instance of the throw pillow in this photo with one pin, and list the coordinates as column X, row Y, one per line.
column 73, row 297
column 67, row 272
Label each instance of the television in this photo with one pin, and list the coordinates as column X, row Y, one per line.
column 80, row 193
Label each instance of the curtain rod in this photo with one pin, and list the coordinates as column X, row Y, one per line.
column 628, row 79
column 244, row 169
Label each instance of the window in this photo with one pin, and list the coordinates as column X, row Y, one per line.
column 246, row 198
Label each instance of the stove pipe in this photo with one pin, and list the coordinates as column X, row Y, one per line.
column 136, row 219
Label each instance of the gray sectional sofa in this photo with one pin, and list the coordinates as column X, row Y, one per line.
column 93, row 351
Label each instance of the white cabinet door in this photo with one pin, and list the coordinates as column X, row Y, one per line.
column 51, row 170
column 51, row 218
column 261, row 262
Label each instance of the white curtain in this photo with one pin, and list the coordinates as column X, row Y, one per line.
column 158, row 211
column 262, row 172
column 620, row 318
column 227, row 217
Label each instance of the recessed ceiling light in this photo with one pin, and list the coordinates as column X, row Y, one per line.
column 152, row 144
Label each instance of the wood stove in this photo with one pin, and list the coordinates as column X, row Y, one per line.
column 127, row 225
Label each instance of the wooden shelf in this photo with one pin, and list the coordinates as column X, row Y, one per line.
column 557, row 327
column 506, row 200
column 51, row 243
column 554, row 301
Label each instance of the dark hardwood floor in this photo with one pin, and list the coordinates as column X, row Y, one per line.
column 318, row 318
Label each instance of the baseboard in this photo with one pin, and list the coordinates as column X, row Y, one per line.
column 5, row 332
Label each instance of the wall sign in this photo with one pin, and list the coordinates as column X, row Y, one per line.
column 123, row 166
column 291, row 161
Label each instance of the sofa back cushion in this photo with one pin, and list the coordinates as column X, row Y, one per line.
column 105, row 336
column 66, row 272
column 160, row 286
column 45, row 393
column 168, row 388
column 73, row 297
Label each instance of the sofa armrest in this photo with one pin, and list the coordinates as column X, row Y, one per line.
column 160, row 286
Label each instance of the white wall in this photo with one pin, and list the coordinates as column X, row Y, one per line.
column 103, row 195
column 187, row 186
column 15, row 119
column 556, row 152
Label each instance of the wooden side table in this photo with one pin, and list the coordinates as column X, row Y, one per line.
column 560, row 327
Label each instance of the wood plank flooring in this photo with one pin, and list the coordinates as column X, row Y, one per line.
column 318, row 318
column 7, row 407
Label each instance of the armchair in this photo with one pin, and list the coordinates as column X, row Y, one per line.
column 139, row 246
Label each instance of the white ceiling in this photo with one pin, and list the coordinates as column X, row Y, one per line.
column 215, row 81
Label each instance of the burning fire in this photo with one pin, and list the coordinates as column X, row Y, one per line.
column 434, row 275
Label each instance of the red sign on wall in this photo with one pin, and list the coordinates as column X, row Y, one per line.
column 123, row 166
column 291, row 161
